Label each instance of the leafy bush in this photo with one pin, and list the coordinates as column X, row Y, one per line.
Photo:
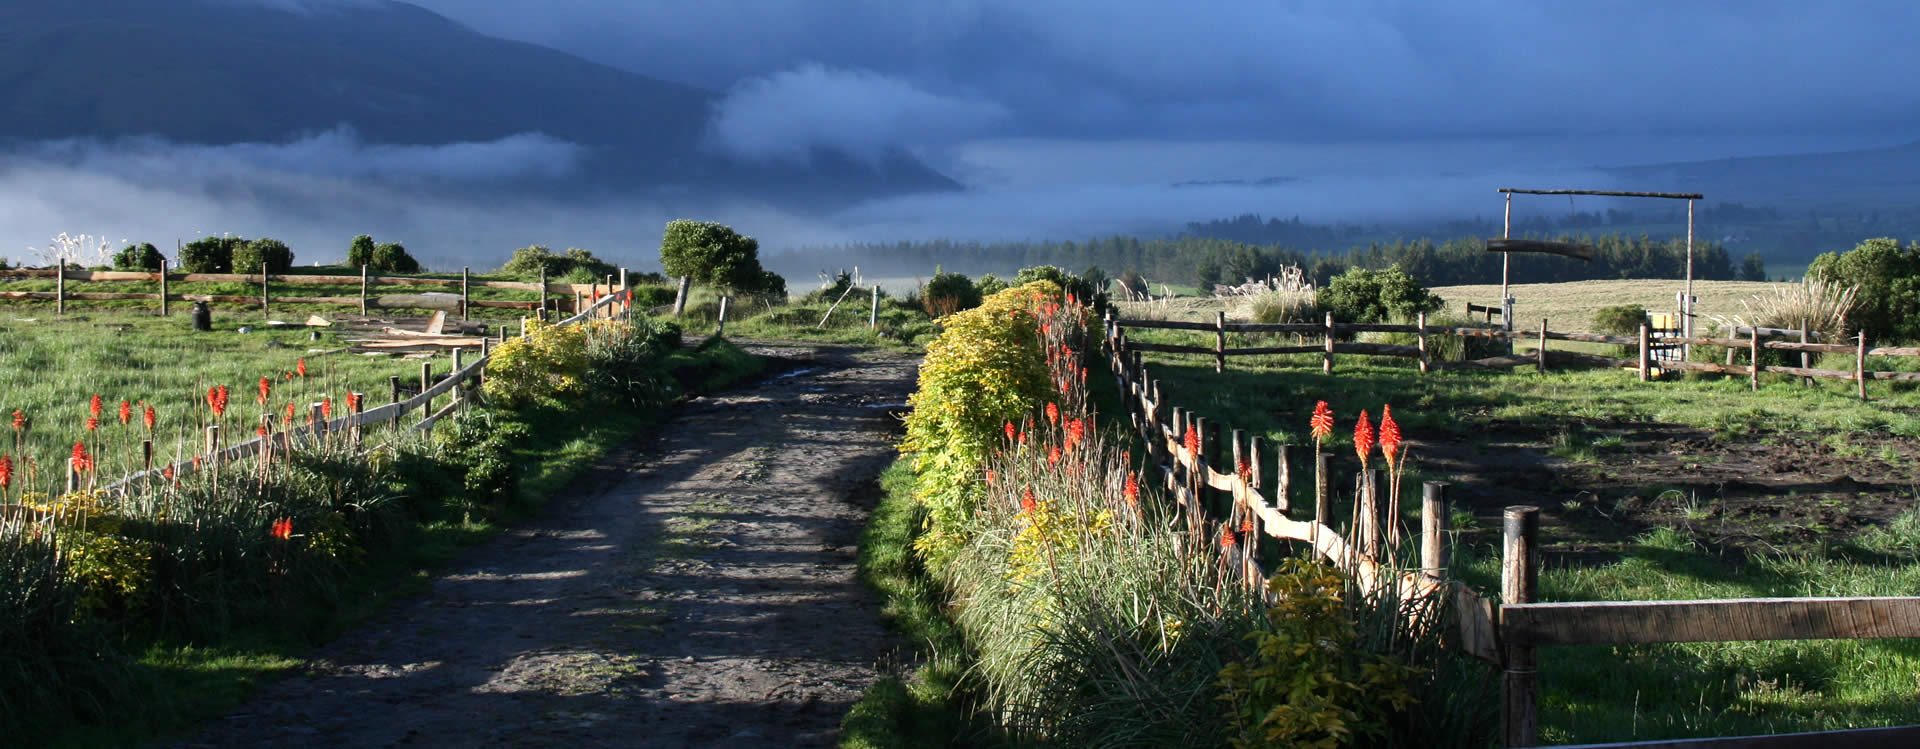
column 360, row 251
column 989, row 285
column 392, row 257
column 1624, row 319
column 272, row 254
column 626, row 360
column 987, row 369
column 479, row 448
column 947, row 293
column 1079, row 287
column 143, row 256
column 1361, row 295
column 209, row 254
column 1887, row 277
column 537, row 369
column 712, row 253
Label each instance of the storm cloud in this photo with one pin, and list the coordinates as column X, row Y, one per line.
column 786, row 115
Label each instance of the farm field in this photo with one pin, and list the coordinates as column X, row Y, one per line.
column 1682, row 489
column 1569, row 307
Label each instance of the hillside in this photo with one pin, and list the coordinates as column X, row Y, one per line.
column 233, row 71
column 1868, row 178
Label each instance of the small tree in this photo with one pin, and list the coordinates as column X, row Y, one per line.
column 209, row 254
column 360, row 252
column 710, row 253
column 267, row 252
column 1361, row 295
column 1888, row 278
column 143, row 256
column 391, row 257
column 947, row 293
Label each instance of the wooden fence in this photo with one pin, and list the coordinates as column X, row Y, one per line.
column 456, row 385
column 1644, row 345
column 1508, row 635
column 571, row 297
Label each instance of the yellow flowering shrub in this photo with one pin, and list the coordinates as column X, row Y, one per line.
column 1049, row 534
column 540, row 368
column 987, row 368
column 109, row 570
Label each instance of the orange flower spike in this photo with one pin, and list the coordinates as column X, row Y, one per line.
column 301, row 368
column 1053, row 455
column 260, row 430
column 1322, row 421
column 1027, row 502
column 167, row 472
column 19, row 420
column 6, row 471
column 1227, row 540
column 990, row 476
column 1246, row 525
column 126, row 413
column 289, row 413
column 1131, row 490
column 82, row 462
column 1246, row 470
column 353, row 402
column 1010, row 431
column 1192, row 441
column 266, row 388
column 1389, row 435
column 1363, row 438
column 93, row 406
column 326, row 408
column 282, row 529
column 93, row 423
column 1053, row 414
column 147, row 416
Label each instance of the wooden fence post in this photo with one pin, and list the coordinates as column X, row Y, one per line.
column 1806, row 358
column 1753, row 353
column 1239, row 457
column 363, row 288
column 163, row 287
column 1543, row 345
column 626, row 296
column 1256, row 478
column 873, row 313
column 680, row 299
column 460, row 387
column 542, row 312
column 1424, row 358
column 464, row 273
column 1283, row 483
column 1202, row 460
column 146, row 454
column 1219, row 342
column 212, row 447
column 1519, row 584
column 1646, row 356
column 1326, row 360
column 426, row 381
column 1433, row 528
column 1860, row 366
column 393, row 389
column 263, row 289
column 316, row 413
column 60, row 286
column 720, row 331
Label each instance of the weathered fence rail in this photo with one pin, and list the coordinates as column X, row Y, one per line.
column 1506, row 634
column 566, row 296
column 1644, row 345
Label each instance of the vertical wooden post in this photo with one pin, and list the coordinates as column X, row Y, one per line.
column 1283, row 482
column 465, row 272
column 1806, row 358
column 1646, row 356
column 721, row 329
column 363, row 288
column 1322, row 490
column 317, row 415
column 1238, row 456
column 873, row 312
column 60, row 286
column 1219, row 342
column 680, row 298
column 213, row 447
column 1519, row 584
column 163, row 288
column 426, row 381
column 1543, row 345
column 1326, row 360
column 1424, row 356
column 1860, row 366
column 459, row 388
column 523, row 327
column 1202, row 460
column 263, row 289
column 542, row 313
column 1753, row 353
column 146, row 454
column 1433, row 528
column 1257, row 478
column 578, row 305
column 393, row 389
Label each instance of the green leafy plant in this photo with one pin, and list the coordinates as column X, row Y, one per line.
column 537, row 369
column 209, row 254
column 712, row 253
column 392, row 257
column 266, row 252
column 1361, row 295
column 360, row 251
column 1887, row 277
column 947, row 293
column 143, row 256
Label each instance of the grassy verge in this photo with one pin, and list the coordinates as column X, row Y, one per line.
column 922, row 708
column 169, row 685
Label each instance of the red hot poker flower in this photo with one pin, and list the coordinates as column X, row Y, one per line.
column 1053, row 414
column 1027, row 502
column 1246, row 470
column 93, row 423
column 1363, row 438
column 1389, row 434
column 990, row 476
column 167, row 472
column 1131, row 491
column 126, row 413
column 1227, row 540
column 147, row 416
column 93, row 406
column 266, row 387
column 1322, row 421
column 1053, row 455
column 260, row 430
column 1192, row 441
column 326, row 408
column 19, row 420
column 301, row 368
column 1010, row 431
column 82, row 462
column 1246, row 525
column 289, row 413
column 1076, row 432
column 282, row 529
column 353, row 402
column 6, row 471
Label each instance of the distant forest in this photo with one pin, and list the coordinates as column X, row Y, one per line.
column 1204, row 261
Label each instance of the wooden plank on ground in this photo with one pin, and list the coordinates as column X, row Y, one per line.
column 1857, row 738
column 1715, row 620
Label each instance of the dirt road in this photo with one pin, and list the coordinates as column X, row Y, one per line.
column 696, row 588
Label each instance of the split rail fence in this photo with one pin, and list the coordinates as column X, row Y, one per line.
column 1505, row 632
column 555, row 296
column 457, row 384
column 1645, row 346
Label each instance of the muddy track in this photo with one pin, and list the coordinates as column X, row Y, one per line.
column 695, row 588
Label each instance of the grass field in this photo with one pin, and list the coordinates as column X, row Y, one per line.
column 1569, row 307
column 1682, row 489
